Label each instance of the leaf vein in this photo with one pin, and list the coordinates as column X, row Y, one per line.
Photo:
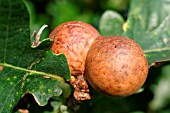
column 156, row 50
column 33, row 71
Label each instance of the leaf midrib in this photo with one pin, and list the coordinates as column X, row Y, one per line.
column 33, row 71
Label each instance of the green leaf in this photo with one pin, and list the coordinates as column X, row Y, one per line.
column 55, row 64
column 42, row 88
column 58, row 107
column 149, row 25
column 111, row 23
column 25, row 69
column 66, row 89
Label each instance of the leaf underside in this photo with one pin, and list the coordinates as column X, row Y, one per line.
column 111, row 23
column 148, row 24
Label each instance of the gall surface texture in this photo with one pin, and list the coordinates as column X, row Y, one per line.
column 116, row 66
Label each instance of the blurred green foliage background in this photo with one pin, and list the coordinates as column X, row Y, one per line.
column 55, row 12
column 155, row 97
